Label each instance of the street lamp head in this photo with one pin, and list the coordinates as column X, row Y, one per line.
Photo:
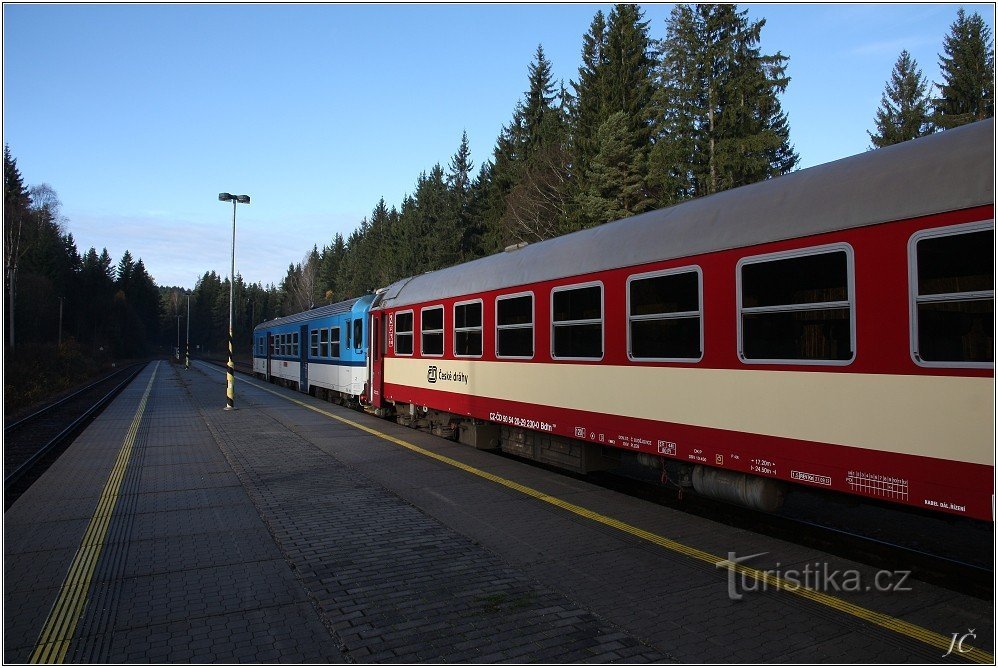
column 228, row 197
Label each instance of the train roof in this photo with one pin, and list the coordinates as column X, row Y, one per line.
column 945, row 171
column 314, row 314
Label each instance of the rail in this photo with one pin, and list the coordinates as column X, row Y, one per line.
column 53, row 425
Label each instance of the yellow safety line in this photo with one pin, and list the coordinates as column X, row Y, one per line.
column 878, row 618
column 53, row 642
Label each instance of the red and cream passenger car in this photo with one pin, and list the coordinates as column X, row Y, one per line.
column 831, row 328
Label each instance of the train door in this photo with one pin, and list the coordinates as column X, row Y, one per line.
column 270, row 353
column 303, row 358
column 374, row 360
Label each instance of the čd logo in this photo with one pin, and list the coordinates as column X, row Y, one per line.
column 431, row 374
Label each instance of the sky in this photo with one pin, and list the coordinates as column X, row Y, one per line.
column 138, row 115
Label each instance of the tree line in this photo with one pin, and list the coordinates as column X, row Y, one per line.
column 908, row 109
column 55, row 294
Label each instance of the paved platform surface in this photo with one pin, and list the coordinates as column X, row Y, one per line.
column 276, row 533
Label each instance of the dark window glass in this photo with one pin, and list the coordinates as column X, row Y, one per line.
column 665, row 317
column 515, row 326
column 432, row 331
column 956, row 263
column 358, row 333
column 797, row 308
column 957, row 331
column 579, row 341
column 515, row 311
column 334, row 342
column 810, row 279
column 468, row 329
column 433, row 343
column 675, row 338
column 315, row 343
column 797, row 335
column 578, row 322
column 674, row 293
column 468, row 343
column 515, row 342
column 324, row 343
column 955, row 300
column 578, row 304
column 433, row 319
column 403, row 333
column 468, row 315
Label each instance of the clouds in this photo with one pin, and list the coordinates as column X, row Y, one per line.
column 178, row 250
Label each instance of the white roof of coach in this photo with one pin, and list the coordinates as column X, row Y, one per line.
column 945, row 171
column 320, row 312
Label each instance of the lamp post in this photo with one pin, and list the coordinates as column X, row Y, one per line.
column 230, row 369
column 187, row 351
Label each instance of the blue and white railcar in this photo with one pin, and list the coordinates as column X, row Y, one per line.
column 321, row 352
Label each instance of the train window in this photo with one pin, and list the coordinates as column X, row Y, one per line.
column 348, row 328
column 797, row 307
column 403, row 333
column 664, row 315
column 577, row 320
column 515, row 326
column 324, row 343
column 294, row 344
column 468, row 329
column 358, row 334
column 431, row 328
column 334, row 342
column 314, row 347
column 953, row 296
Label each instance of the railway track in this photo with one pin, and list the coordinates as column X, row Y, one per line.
column 33, row 442
column 954, row 553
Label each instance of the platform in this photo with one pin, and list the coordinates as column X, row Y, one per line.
column 294, row 530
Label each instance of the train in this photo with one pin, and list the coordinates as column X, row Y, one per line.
column 832, row 328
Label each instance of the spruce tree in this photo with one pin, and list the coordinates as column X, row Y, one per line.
column 967, row 92
column 538, row 107
column 442, row 240
column 587, row 112
column 904, row 106
column 617, row 76
column 720, row 122
column 616, row 188
column 535, row 205
column 329, row 265
column 497, row 182
column 460, row 185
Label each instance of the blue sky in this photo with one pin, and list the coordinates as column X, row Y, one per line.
column 139, row 115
